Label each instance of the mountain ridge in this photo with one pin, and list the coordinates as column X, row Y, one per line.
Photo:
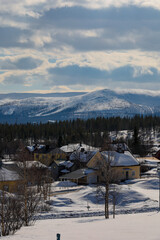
column 31, row 107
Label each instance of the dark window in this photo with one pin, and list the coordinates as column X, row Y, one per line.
column 6, row 188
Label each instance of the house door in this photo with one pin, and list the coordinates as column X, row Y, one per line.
column 127, row 175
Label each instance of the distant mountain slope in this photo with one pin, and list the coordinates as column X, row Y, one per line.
column 23, row 108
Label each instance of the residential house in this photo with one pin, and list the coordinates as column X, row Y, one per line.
column 47, row 155
column 81, row 157
column 11, row 177
column 70, row 148
column 81, row 176
column 36, row 172
column 59, row 167
column 122, row 163
column 148, row 163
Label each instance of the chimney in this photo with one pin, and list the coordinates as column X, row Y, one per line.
column 47, row 147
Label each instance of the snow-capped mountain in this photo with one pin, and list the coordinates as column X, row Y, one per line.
column 22, row 108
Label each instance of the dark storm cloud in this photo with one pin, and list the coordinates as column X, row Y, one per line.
column 26, row 63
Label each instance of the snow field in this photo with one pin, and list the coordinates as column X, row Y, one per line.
column 123, row 227
column 135, row 195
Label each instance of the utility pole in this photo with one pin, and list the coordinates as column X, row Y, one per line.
column 158, row 171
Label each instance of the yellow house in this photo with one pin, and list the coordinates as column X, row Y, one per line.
column 10, row 177
column 123, row 164
column 47, row 156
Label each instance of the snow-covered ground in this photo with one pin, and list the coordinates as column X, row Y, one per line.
column 134, row 196
column 130, row 227
column 68, row 212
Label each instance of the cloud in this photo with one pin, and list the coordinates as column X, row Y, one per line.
column 16, row 80
column 75, row 78
column 79, row 44
column 114, row 28
column 85, row 18
column 74, row 74
column 26, row 63
column 10, row 37
column 84, row 29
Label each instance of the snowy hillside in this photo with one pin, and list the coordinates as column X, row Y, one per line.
column 38, row 107
column 137, row 215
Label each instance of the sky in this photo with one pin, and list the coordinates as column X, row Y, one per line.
column 67, row 46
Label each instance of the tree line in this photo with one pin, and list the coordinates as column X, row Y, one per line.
column 91, row 131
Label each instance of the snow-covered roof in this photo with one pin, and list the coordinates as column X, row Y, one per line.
column 152, row 159
column 82, row 156
column 6, row 162
column 77, row 147
column 30, row 148
column 30, row 164
column 34, row 147
column 121, row 159
column 66, row 164
column 65, row 171
column 149, row 161
column 78, row 173
column 8, row 174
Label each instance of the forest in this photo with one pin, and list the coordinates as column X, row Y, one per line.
column 92, row 131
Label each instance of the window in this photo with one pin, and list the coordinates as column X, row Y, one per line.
column 133, row 173
column 6, row 188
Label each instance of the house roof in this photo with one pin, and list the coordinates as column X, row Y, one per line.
column 66, row 164
column 82, row 156
column 77, row 174
column 44, row 149
column 35, row 147
column 77, row 147
column 10, row 172
column 65, row 171
column 30, row 164
column 120, row 159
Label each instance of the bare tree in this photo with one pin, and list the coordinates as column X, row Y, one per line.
column 107, row 174
column 27, row 194
column 10, row 213
column 114, row 193
column 30, row 201
column 20, row 208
